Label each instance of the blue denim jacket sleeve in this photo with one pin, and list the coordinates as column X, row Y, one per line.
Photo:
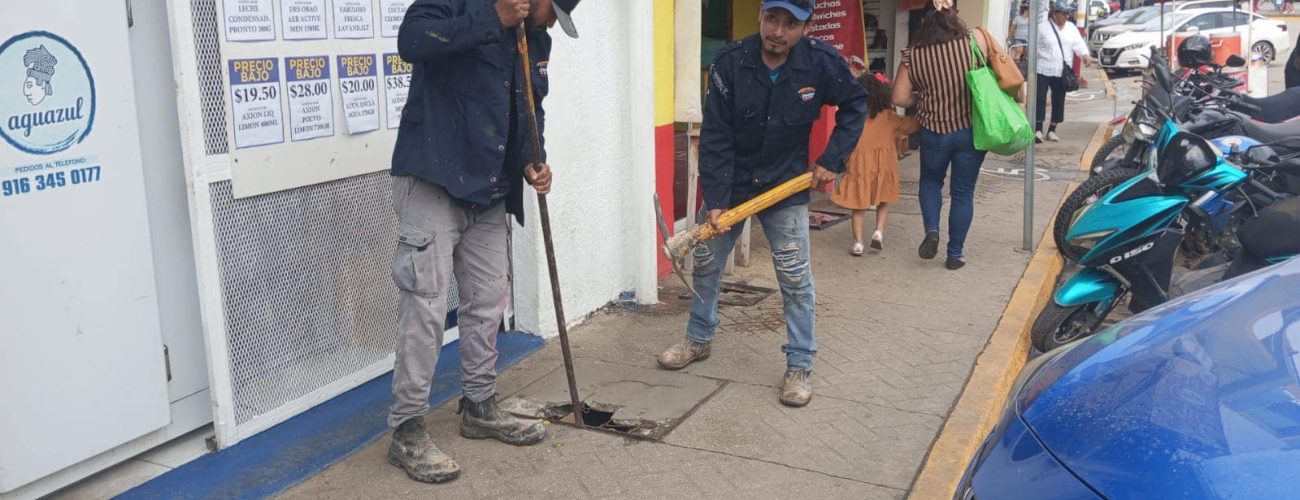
column 539, row 50
column 848, row 94
column 717, row 140
column 434, row 29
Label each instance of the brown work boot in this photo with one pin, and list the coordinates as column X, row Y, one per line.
column 685, row 353
column 484, row 420
column 414, row 452
column 797, row 390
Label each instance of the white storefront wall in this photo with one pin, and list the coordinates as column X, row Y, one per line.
column 600, row 144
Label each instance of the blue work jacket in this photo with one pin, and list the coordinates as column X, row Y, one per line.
column 457, row 130
column 755, row 133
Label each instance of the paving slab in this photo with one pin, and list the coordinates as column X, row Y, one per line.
column 836, row 437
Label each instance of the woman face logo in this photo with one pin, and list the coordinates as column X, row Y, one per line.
column 34, row 91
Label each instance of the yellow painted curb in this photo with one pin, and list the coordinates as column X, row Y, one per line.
column 1105, row 81
column 996, row 369
column 1098, row 138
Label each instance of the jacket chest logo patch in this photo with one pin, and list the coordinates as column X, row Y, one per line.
column 807, row 94
column 541, row 68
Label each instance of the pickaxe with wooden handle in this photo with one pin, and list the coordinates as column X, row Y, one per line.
column 677, row 247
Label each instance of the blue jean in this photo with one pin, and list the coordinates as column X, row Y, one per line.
column 938, row 151
column 787, row 233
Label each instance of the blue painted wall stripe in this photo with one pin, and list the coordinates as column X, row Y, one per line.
column 302, row 446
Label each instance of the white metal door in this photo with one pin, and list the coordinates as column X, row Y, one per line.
column 81, row 361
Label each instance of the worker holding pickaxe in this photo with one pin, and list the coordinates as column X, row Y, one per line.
column 462, row 156
column 764, row 93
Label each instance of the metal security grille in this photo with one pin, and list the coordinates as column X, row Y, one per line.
column 306, row 287
column 207, row 48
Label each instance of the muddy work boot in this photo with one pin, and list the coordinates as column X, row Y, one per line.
column 685, row 353
column 797, row 390
column 413, row 451
column 485, row 420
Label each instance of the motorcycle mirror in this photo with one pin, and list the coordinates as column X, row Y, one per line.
column 1236, row 61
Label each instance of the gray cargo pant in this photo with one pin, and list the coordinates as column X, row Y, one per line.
column 437, row 237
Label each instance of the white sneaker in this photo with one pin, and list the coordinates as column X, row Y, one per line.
column 1038, row 136
column 857, row 250
column 877, row 240
column 1051, row 136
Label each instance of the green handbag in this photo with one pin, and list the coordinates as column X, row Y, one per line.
column 997, row 122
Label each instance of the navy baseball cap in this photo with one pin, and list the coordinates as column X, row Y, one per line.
column 800, row 9
column 563, row 8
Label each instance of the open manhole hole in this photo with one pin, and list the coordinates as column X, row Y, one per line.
column 736, row 294
column 593, row 418
column 632, row 401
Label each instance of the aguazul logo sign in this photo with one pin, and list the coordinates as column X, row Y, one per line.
column 47, row 94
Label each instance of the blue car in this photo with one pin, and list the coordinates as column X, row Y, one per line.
column 1196, row 398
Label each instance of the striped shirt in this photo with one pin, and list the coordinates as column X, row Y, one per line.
column 938, row 74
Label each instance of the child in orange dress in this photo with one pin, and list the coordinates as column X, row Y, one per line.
column 871, row 178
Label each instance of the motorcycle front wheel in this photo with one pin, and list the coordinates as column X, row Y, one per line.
column 1112, row 151
column 1087, row 193
column 1057, row 325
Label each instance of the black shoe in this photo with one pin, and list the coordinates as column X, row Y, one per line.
column 929, row 246
column 414, row 452
column 484, row 420
column 954, row 263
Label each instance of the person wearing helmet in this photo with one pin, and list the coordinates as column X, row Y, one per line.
column 1058, row 42
column 1195, row 51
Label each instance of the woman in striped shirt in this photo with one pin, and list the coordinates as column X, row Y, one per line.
column 933, row 79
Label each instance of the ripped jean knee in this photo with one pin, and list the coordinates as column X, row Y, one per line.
column 792, row 266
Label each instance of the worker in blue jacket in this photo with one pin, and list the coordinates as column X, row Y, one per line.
column 764, row 93
column 462, row 156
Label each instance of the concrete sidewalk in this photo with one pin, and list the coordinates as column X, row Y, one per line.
column 898, row 337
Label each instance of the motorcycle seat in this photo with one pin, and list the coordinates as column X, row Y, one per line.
column 1277, row 108
column 1269, row 132
column 1274, row 233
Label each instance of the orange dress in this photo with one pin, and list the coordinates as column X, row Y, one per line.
column 871, row 176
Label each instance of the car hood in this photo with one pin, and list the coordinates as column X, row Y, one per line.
column 1115, row 29
column 1126, row 38
column 1198, row 398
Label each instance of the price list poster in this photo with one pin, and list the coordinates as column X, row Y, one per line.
column 311, row 107
column 360, row 90
column 255, row 94
column 397, row 85
column 316, row 90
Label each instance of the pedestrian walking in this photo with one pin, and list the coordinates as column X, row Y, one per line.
column 764, row 93
column 1019, row 30
column 453, row 187
column 871, row 176
column 1058, row 42
column 933, row 78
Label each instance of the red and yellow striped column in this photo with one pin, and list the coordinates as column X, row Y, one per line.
column 663, row 105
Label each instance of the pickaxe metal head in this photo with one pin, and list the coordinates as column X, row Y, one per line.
column 676, row 260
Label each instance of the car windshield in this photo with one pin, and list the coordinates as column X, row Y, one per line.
column 1141, row 15
column 1170, row 21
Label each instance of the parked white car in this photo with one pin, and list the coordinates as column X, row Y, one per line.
column 1123, row 22
column 1130, row 50
column 1138, row 16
